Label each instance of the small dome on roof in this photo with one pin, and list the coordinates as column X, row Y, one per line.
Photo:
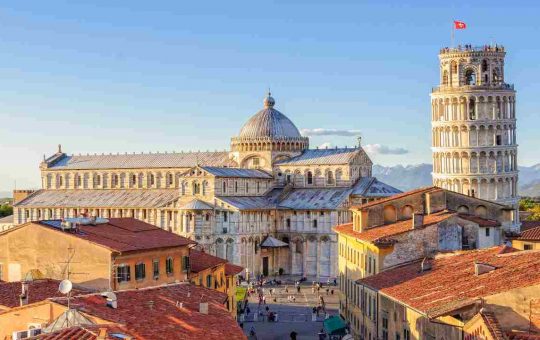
column 269, row 123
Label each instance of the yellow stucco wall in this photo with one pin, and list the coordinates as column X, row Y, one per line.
column 354, row 257
column 148, row 257
column 35, row 247
column 519, row 244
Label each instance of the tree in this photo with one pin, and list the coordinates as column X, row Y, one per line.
column 6, row 210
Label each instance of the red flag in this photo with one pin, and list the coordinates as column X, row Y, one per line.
column 460, row 25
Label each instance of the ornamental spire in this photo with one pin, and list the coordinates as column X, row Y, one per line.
column 269, row 102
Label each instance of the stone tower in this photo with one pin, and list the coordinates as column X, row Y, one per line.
column 474, row 126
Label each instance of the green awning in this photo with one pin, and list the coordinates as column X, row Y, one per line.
column 334, row 325
column 241, row 293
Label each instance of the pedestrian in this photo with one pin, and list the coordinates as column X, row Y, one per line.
column 252, row 331
column 264, row 300
column 293, row 335
column 335, row 282
column 267, row 308
column 332, row 292
column 286, row 289
column 327, row 291
column 298, row 288
column 294, row 298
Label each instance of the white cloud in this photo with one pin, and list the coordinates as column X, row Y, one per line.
column 326, row 145
column 329, row 132
column 378, row 149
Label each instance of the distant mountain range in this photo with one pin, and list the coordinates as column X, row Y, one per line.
column 413, row 176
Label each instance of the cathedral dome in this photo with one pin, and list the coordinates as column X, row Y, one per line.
column 269, row 123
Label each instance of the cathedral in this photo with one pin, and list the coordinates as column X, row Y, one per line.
column 268, row 204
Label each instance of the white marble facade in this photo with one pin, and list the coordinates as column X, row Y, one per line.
column 269, row 185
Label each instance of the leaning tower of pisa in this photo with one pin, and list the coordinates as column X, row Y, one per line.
column 474, row 126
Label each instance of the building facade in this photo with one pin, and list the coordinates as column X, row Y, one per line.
column 474, row 126
column 269, row 185
column 408, row 227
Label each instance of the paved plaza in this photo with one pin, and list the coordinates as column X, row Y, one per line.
column 292, row 315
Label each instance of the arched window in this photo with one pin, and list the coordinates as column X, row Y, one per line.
column 330, row 178
column 495, row 76
column 224, row 187
column 309, row 178
column 484, row 65
column 247, row 187
column 170, row 179
column 389, row 213
column 463, row 209
column 453, row 68
column 407, row 212
column 480, row 211
column 470, row 77
column 133, row 180
column 196, row 188
column 445, row 78
column 235, row 186
column 60, row 180
column 204, row 186
column 152, row 179
column 114, row 180
column 472, row 109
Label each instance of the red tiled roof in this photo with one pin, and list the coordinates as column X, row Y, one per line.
column 514, row 335
column 383, row 232
column 232, row 269
column 532, row 234
column 84, row 333
column 125, row 234
column 483, row 222
column 452, row 283
column 38, row 290
column 526, row 225
column 154, row 313
column 493, row 325
column 199, row 261
column 395, row 197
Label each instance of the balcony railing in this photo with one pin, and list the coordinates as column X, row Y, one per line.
column 471, row 48
column 449, row 88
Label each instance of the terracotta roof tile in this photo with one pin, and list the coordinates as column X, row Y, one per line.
column 514, row 335
column 398, row 196
column 199, row 261
column 84, row 333
column 381, row 234
column 493, row 325
column 526, row 225
column 452, row 282
column 532, row 234
column 483, row 222
column 38, row 290
column 154, row 313
column 124, row 234
column 232, row 269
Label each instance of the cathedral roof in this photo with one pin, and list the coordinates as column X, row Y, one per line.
column 323, row 157
column 135, row 198
column 138, row 161
column 371, row 187
column 237, row 172
column 269, row 123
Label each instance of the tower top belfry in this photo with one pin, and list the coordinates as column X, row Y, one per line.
column 474, row 125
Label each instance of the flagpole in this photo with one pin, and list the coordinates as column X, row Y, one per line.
column 452, row 35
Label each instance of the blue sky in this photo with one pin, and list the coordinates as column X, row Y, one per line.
column 132, row 76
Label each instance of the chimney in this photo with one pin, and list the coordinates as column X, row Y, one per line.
column 203, row 308
column 102, row 335
column 417, row 220
column 24, row 294
column 482, row 268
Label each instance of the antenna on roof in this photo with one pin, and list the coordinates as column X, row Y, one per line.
column 359, row 139
column 59, row 148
